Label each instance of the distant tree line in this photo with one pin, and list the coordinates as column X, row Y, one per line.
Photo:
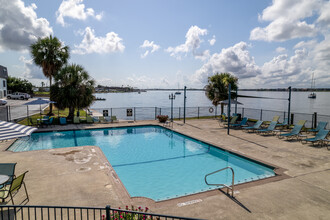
column 15, row 84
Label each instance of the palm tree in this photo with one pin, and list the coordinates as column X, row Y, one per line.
column 73, row 89
column 217, row 88
column 50, row 55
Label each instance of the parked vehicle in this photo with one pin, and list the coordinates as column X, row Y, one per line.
column 3, row 102
column 18, row 95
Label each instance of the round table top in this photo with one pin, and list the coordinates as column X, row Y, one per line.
column 3, row 178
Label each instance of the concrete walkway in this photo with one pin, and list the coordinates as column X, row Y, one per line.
column 82, row 176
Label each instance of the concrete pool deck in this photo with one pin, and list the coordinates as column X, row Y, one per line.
column 82, row 176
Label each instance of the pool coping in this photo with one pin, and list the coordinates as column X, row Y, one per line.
column 279, row 172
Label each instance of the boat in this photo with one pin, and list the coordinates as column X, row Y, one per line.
column 178, row 92
column 313, row 94
column 99, row 99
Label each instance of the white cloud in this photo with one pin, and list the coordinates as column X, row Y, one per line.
column 212, row 41
column 20, row 25
column 236, row 60
column 111, row 43
column 192, row 43
column 30, row 70
column 76, row 10
column 306, row 44
column 287, row 20
column 147, row 44
column 280, row 50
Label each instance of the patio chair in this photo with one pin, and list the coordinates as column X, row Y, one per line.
column 320, row 126
column 48, row 122
column 319, row 137
column 269, row 129
column 62, row 121
column 114, row 119
column 9, row 170
column 102, row 120
column 293, row 134
column 255, row 127
column 241, row 124
column 76, row 120
column 15, row 185
column 89, row 119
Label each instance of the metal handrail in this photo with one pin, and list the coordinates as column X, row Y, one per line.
column 220, row 184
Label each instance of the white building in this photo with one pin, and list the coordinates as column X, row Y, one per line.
column 3, row 81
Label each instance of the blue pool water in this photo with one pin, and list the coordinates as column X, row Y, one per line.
column 152, row 161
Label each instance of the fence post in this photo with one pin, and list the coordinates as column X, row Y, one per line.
column 7, row 108
column 315, row 120
column 107, row 212
column 291, row 119
column 155, row 113
column 134, row 114
column 284, row 117
column 260, row 114
column 111, row 112
column 242, row 112
column 198, row 112
column 179, row 112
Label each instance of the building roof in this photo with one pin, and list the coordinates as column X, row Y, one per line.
column 3, row 72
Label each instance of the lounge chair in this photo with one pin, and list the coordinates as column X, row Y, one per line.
column 76, row 120
column 269, row 129
column 276, row 118
column 107, row 119
column 241, row 124
column 222, row 119
column 15, row 185
column 96, row 119
column 320, row 126
column 89, row 119
column 284, row 123
column 293, row 134
column 319, row 137
column 62, row 121
column 102, row 120
column 9, row 170
column 255, row 127
column 232, row 121
column 114, row 119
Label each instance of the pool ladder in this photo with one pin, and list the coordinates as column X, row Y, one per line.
column 220, row 184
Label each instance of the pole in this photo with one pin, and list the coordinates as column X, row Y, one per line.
column 184, row 104
column 236, row 103
column 289, row 105
column 228, row 107
column 27, row 109
column 171, row 97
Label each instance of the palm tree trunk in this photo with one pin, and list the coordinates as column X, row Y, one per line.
column 71, row 112
column 51, row 105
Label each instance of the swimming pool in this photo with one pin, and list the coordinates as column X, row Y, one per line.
column 152, row 161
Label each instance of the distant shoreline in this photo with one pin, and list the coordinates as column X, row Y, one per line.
column 259, row 90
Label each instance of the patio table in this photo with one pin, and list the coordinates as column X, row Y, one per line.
column 3, row 179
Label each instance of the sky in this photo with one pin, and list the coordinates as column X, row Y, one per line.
column 175, row 43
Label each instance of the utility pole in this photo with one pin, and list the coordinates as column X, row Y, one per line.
column 289, row 105
column 171, row 97
column 228, row 106
column 184, row 104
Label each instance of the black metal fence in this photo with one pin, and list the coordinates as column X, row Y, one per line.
column 17, row 212
column 16, row 113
